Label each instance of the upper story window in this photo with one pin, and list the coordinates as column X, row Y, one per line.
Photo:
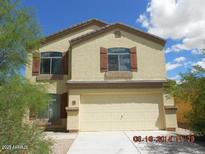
column 119, row 59
column 51, row 62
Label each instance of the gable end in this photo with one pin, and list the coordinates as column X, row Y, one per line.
column 126, row 28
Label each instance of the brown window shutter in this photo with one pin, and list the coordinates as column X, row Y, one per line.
column 133, row 57
column 65, row 63
column 64, row 104
column 36, row 64
column 103, row 59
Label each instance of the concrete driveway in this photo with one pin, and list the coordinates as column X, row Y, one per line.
column 122, row 143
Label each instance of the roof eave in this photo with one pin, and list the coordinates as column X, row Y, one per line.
column 72, row 29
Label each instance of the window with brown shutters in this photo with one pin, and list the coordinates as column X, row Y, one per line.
column 36, row 64
column 133, row 56
column 103, row 59
column 119, row 59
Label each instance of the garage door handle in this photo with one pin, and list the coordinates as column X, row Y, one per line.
column 121, row 116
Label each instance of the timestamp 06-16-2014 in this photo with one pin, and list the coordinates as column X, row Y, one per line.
column 164, row 139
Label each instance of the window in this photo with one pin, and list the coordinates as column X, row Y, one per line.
column 51, row 62
column 119, row 59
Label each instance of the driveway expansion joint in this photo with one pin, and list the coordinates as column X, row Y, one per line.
column 131, row 142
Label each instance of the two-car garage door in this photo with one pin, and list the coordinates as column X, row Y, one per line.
column 99, row 112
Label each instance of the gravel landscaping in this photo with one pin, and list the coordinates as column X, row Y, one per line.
column 62, row 141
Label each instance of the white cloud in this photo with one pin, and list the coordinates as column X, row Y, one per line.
column 177, row 19
column 180, row 59
column 200, row 63
column 198, row 52
column 170, row 66
column 144, row 20
column 178, row 62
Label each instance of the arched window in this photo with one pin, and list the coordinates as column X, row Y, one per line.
column 51, row 62
column 119, row 59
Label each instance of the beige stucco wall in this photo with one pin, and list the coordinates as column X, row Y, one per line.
column 61, row 45
column 170, row 115
column 168, row 100
column 74, row 100
column 73, row 122
column 86, row 57
column 170, row 119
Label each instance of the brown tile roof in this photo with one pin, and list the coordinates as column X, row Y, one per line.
column 130, row 29
column 74, row 28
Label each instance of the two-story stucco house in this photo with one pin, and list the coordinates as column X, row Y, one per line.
column 104, row 77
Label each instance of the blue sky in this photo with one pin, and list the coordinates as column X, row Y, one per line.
column 55, row 15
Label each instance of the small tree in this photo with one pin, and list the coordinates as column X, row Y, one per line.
column 19, row 35
column 16, row 97
column 192, row 89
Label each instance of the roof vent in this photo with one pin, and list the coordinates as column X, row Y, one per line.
column 117, row 34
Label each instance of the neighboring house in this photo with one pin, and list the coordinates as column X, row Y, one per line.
column 104, row 77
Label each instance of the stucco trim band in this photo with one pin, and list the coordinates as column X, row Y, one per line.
column 42, row 77
column 171, row 129
column 72, row 108
column 114, row 84
column 172, row 108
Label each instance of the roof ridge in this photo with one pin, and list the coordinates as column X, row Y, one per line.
column 89, row 33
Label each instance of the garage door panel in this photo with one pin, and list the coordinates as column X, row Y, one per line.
column 121, row 112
